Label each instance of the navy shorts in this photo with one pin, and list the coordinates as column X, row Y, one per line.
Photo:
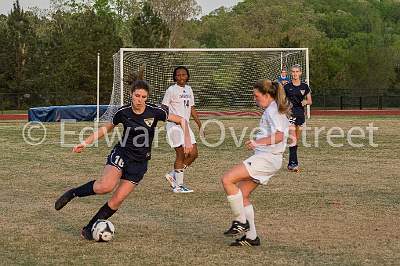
column 297, row 120
column 132, row 171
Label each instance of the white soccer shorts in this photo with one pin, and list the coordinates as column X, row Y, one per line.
column 175, row 135
column 262, row 166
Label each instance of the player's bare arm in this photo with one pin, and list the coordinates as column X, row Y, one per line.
column 94, row 137
column 195, row 116
column 307, row 100
column 185, row 126
column 270, row 140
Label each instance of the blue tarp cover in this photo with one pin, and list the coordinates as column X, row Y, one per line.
column 58, row 113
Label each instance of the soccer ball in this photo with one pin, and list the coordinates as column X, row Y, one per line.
column 103, row 231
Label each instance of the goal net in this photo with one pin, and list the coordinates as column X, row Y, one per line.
column 221, row 79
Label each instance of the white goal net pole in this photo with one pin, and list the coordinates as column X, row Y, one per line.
column 210, row 49
column 121, row 75
column 98, row 88
column 308, row 80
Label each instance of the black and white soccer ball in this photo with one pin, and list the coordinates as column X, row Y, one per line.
column 103, row 231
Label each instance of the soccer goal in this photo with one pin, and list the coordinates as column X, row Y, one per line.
column 221, row 79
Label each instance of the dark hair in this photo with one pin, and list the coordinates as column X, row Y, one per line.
column 135, row 81
column 275, row 89
column 176, row 70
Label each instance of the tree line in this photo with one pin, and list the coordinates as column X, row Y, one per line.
column 50, row 55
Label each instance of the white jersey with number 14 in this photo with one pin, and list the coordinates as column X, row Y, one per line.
column 179, row 100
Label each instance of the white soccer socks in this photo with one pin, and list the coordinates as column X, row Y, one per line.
column 179, row 177
column 236, row 203
column 249, row 212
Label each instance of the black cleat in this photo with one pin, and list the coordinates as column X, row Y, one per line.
column 237, row 228
column 86, row 233
column 246, row 242
column 293, row 168
column 64, row 199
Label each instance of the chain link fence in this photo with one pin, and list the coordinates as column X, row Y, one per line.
column 356, row 102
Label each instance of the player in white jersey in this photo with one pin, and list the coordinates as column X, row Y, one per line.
column 180, row 100
column 268, row 147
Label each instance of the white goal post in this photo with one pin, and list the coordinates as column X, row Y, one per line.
column 221, row 78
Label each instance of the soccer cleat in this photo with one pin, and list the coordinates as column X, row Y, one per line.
column 296, row 169
column 171, row 180
column 293, row 168
column 237, row 228
column 86, row 233
column 185, row 189
column 64, row 199
column 182, row 189
column 177, row 190
column 243, row 241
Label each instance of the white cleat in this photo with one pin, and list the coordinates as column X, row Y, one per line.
column 182, row 189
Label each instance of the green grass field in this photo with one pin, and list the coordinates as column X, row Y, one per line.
column 13, row 112
column 342, row 209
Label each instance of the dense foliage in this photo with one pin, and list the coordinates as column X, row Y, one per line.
column 51, row 55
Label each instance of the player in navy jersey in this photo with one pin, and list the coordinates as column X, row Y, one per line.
column 127, row 162
column 299, row 95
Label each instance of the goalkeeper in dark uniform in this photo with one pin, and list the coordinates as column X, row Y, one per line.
column 127, row 162
column 299, row 95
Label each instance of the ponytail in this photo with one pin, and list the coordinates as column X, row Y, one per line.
column 135, row 80
column 281, row 100
column 277, row 92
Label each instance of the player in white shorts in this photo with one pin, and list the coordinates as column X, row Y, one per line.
column 180, row 100
column 268, row 147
